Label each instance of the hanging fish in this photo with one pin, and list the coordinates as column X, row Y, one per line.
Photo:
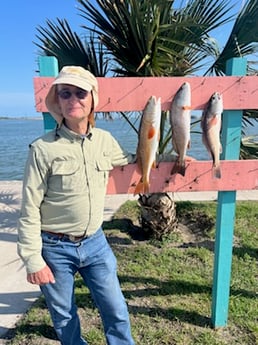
column 211, row 127
column 180, row 119
column 148, row 142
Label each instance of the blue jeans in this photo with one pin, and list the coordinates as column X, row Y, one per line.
column 94, row 260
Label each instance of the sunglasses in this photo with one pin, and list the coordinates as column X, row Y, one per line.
column 66, row 94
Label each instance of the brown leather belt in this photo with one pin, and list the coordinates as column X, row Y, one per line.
column 70, row 237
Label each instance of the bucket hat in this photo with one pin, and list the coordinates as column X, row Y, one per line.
column 76, row 76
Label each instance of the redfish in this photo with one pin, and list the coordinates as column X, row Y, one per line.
column 148, row 142
column 180, row 120
column 211, row 126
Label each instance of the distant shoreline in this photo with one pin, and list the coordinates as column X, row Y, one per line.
column 21, row 118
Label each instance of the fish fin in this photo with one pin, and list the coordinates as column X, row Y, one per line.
column 213, row 121
column 151, row 132
column 178, row 168
column 216, row 171
column 186, row 107
column 142, row 188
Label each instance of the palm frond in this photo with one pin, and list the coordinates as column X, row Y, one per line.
column 57, row 39
column 243, row 39
column 249, row 148
column 209, row 15
column 128, row 29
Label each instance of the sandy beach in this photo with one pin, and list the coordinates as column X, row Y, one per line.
column 16, row 295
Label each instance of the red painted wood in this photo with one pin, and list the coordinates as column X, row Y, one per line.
column 131, row 94
column 236, row 175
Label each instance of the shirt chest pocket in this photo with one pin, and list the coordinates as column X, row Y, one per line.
column 66, row 176
column 102, row 168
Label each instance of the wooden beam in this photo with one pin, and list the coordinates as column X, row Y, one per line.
column 226, row 206
column 48, row 65
column 236, row 175
column 131, row 94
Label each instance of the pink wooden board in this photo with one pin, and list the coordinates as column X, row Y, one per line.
column 131, row 94
column 236, row 175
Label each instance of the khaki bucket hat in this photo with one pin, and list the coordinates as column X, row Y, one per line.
column 76, row 76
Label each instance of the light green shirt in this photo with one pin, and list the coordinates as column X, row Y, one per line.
column 64, row 187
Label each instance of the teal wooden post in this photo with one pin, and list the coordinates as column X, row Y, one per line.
column 48, row 67
column 231, row 136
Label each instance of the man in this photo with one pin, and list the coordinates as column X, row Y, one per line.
column 59, row 230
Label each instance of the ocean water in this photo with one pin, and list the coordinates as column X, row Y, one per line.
column 17, row 134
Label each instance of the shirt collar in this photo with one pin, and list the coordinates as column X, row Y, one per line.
column 62, row 130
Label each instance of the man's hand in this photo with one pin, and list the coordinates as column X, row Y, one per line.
column 41, row 277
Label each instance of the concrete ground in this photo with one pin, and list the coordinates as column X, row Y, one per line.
column 16, row 295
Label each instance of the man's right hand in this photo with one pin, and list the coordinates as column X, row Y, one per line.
column 41, row 277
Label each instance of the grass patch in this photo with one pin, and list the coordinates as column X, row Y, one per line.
column 168, row 284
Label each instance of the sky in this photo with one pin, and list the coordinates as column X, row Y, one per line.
column 18, row 29
column 18, row 22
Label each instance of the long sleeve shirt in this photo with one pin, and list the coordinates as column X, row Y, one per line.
column 64, row 187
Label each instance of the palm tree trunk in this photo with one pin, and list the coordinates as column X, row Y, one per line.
column 158, row 215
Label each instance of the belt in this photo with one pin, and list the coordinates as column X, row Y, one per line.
column 70, row 237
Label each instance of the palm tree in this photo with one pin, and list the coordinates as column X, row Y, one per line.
column 152, row 38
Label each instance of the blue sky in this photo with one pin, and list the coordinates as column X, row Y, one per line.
column 18, row 23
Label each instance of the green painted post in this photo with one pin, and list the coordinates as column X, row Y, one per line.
column 231, row 136
column 48, row 67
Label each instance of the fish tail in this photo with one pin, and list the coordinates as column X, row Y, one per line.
column 217, row 171
column 142, row 188
column 179, row 168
